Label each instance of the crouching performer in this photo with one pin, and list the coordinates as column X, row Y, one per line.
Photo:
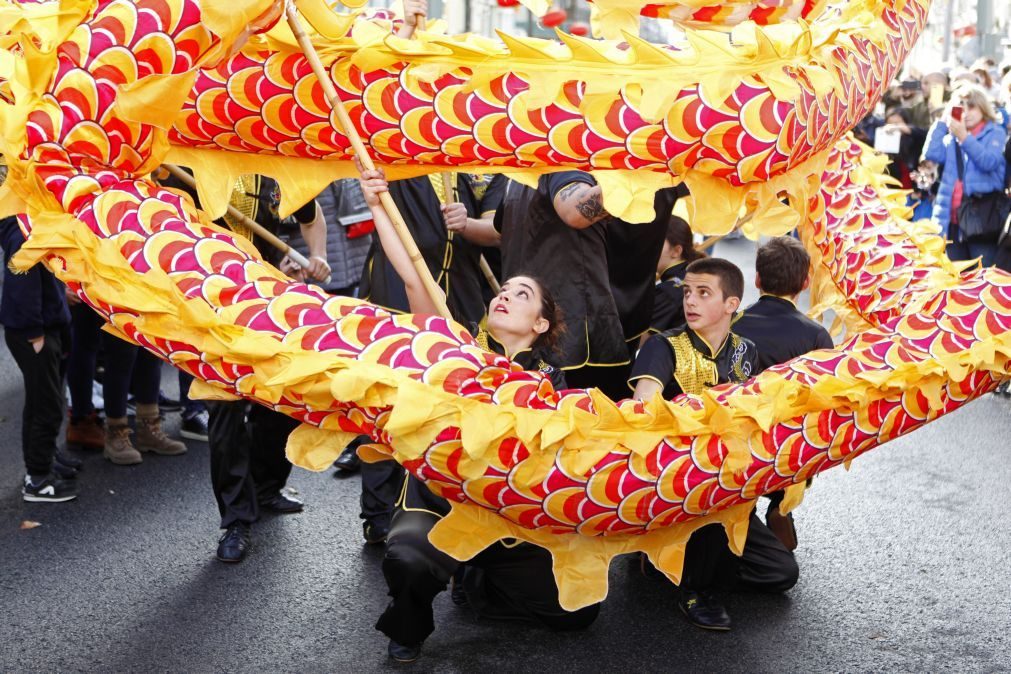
column 509, row 580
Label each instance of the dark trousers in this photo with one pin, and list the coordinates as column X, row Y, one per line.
column 504, row 583
column 127, row 367
column 765, row 566
column 381, row 485
column 86, row 330
column 44, row 403
column 248, row 465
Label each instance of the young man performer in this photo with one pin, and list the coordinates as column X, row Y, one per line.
column 689, row 359
column 781, row 332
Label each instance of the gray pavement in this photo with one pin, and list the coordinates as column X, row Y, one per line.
column 903, row 568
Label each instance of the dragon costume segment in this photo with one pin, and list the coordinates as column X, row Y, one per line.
column 96, row 95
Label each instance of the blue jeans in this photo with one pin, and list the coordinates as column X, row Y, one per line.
column 965, row 250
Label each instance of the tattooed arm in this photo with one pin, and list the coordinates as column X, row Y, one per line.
column 580, row 205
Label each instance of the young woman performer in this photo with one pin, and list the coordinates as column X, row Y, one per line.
column 509, row 581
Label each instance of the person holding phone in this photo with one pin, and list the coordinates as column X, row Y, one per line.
column 967, row 143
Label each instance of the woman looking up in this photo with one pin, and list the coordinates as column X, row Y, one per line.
column 508, row 580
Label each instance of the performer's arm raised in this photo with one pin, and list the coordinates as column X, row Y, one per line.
column 373, row 184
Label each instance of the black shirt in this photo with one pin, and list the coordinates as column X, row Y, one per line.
column 669, row 299
column 572, row 263
column 735, row 360
column 780, row 331
column 633, row 251
column 453, row 261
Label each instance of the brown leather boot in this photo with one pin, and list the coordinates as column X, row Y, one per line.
column 118, row 447
column 151, row 438
column 782, row 526
column 87, row 432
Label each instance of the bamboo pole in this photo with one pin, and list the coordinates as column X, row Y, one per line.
column 262, row 231
column 489, row 276
column 433, row 290
column 450, row 186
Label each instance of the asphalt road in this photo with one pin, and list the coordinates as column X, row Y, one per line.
column 904, row 567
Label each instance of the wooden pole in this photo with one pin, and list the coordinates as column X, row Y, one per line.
column 358, row 146
column 450, row 186
column 264, row 233
column 489, row 276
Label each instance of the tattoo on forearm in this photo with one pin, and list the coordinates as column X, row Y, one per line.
column 591, row 207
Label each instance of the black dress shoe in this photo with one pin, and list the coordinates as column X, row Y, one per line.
column 374, row 533
column 402, row 653
column 702, row 610
column 235, row 543
column 348, row 461
column 283, row 504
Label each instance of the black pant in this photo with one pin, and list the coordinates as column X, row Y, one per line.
column 248, row 465
column 765, row 566
column 44, row 403
column 504, row 583
column 381, row 485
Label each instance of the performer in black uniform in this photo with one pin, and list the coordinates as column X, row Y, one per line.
column 685, row 360
column 511, row 581
column 781, row 332
column 557, row 233
column 451, row 227
column 248, row 464
column 633, row 253
column 668, row 300
column 433, row 215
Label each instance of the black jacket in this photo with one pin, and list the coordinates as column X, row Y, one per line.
column 31, row 302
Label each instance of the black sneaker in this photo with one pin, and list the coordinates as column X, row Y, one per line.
column 49, row 489
column 403, row 653
column 702, row 610
column 63, row 472
column 68, row 460
column 166, row 404
column 195, row 427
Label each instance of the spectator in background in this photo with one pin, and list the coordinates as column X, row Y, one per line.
column 33, row 311
column 980, row 140
column 911, row 101
column 349, row 228
column 911, row 139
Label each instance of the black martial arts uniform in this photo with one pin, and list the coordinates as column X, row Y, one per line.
column 452, row 260
column 247, row 440
column 682, row 362
column 509, row 580
column 572, row 263
column 781, row 332
column 633, row 251
column 669, row 299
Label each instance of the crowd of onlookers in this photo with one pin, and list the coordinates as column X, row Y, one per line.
column 947, row 136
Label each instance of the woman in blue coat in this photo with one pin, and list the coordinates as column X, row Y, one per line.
column 981, row 138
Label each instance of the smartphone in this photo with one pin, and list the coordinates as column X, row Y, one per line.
column 956, row 113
